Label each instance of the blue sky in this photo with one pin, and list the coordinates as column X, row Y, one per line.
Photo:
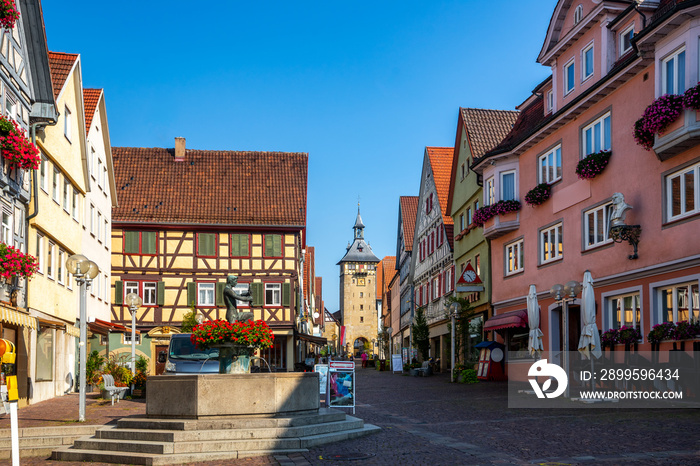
column 361, row 86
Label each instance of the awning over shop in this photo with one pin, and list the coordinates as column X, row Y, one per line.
column 50, row 323
column 510, row 319
column 17, row 318
column 312, row 339
column 102, row 327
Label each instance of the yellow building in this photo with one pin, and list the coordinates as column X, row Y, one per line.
column 188, row 218
column 358, row 287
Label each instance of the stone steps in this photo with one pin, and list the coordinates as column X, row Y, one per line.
column 169, row 441
column 41, row 441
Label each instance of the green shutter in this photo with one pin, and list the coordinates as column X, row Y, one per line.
column 235, row 246
column 286, row 290
column 131, row 242
column 256, row 290
column 118, row 292
column 278, row 245
column 206, row 244
column 160, row 298
column 148, row 242
column 269, row 246
column 191, row 293
column 220, row 293
column 244, row 246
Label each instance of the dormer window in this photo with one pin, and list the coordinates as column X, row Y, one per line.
column 550, row 101
column 626, row 40
column 673, row 73
column 578, row 14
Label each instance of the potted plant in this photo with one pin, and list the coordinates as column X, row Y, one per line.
column 691, row 98
column 14, row 262
column 468, row 376
column 661, row 332
column 539, row 194
column 16, row 147
column 236, row 341
column 593, row 164
column 93, row 364
column 629, row 336
column 8, row 14
column 684, row 330
column 656, row 118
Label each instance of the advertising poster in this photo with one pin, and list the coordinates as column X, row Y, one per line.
column 322, row 370
column 342, row 389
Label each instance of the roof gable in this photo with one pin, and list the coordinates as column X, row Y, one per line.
column 210, row 187
column 409, row 210
column 61, row 65
column 441, row 168
column 91, row 97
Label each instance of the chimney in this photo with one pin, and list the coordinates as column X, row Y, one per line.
column 179, row 149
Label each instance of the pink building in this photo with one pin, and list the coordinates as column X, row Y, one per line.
column 609, row 61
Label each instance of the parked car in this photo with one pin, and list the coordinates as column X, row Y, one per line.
column 185, row 358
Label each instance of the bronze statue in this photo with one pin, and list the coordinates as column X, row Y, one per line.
column 230, row 297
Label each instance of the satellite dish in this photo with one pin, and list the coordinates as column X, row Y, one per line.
column 316, row 314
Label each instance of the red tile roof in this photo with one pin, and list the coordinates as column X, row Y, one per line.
column 441, row 165
column 486, row 128
column 388, row 269
column 210, row 187
column 91, row 97
column 409, row 211
column 529, row 119
column 61, row 64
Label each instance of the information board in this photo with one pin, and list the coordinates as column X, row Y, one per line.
column 396, row 363
column 322, row 370
column 342, row 389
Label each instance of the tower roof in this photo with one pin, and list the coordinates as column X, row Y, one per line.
column 359, row 250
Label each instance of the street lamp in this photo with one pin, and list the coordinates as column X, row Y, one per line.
column 389, row 331
column 134, row 302
column 563, row 294
column 455, row 307
column 84, row 270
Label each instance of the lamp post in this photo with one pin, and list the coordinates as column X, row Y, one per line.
column 84, row 270
column 134, row 302
column 563, row 294
column 455, row 307
column 389, row 331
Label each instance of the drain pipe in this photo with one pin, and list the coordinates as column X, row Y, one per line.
column 35, row 186
column 635, row 5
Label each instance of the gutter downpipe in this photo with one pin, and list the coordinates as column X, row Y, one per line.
column 635, row 5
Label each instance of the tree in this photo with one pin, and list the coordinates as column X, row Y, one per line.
column 421, row 333
column 189, row 320
column 463, row 343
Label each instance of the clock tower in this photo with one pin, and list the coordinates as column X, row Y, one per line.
column 358, row 301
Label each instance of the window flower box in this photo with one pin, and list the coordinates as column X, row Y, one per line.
column 8, row 14
column 656, row 118
column 14, row 262
column 16, row 147
column 593, row 165
column 539, row 194
column 488, row 212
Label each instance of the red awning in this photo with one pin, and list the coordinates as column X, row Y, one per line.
column 507, row 320
column 103, row 327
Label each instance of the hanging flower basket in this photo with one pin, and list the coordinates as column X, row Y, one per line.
column 539, row 194
column 16, row 147
column 593, row 165
column 250, row 334
column 8, row 14
column 691, row 98
column 14, row 262
column 656, row 118
column 487, row 212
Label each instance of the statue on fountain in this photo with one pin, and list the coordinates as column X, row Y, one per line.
column 230, row 297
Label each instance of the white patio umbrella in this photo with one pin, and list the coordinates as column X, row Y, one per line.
column 534, row 343
column 590, row 340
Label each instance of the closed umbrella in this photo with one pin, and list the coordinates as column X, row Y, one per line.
column 590, row 340
column 534, row 343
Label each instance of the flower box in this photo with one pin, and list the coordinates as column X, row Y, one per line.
column 14, row 262
column 539, row 194
column 657, row 118
column 593, row 165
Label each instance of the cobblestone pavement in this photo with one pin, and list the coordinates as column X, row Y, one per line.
column 429, row 421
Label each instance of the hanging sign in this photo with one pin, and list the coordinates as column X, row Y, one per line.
column 469, row 281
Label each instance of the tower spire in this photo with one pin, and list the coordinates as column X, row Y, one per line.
column 359, row 227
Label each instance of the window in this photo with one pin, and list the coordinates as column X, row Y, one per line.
column 11, row 107
column 362, row 307
column 55, row 184
column 429, row 203
column 92, row 219
column 66, row 194
column 240, row 245
column 273, row 245
column 67, row 129
column 626, row 40
column 508, row 186
column 595, row 225
column 461, row 222
column 206, row 244
column 596, row 136
column 99, row 172
column 361, row 294
column 127, row 338
column 99, row 227
column 476, row 205
column 625, row 310
column 587, row 59
column 463, row 171
column 7, row 236
column 273, row 294
column 550, row 166
column 490, row 192
column 550, row 101
column 470, row 218
column 240, row 288
column 362, row 319
column 42, row 173
column 551, row 247
column 436, row 288
column 40, row 252
column 49, row 260
column 131, row 287
column 93, row 161
column 149, row 293
column 104, row 180
column 106, row 233
column 60, row 269
column 569, row 76
column 679, row 303
column 682, row 192
column 140, row 242
column 514, row 257
column 673, row 73
column 76, row 202
column 205, row 294
column 578, row 14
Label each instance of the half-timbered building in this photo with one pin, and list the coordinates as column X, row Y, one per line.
column 188, row 218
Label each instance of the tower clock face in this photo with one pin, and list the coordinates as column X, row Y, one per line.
column 469, row 276
column 361, row 281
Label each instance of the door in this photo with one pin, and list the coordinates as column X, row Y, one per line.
column 161, row 357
